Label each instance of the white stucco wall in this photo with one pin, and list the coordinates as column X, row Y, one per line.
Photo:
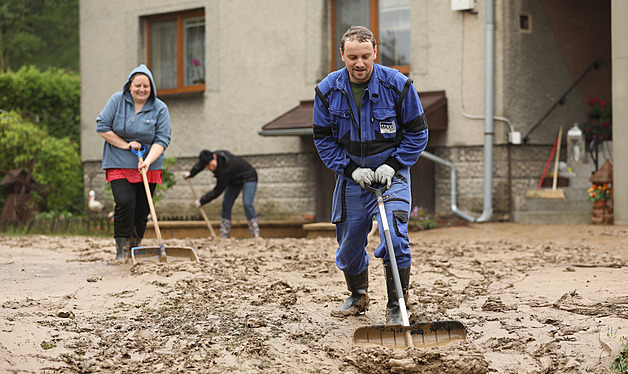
column 438, row 53
column 619, row 11
column 264, row 57
column 262, row 60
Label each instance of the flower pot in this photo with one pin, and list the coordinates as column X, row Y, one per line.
column 599, row 203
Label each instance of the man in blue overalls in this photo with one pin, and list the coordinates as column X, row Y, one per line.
column 369, row 128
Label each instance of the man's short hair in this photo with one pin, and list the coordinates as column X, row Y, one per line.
column 358, row 33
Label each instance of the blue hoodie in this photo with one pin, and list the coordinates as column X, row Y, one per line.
column 150, row 126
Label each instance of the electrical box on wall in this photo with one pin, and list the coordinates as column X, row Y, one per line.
column 461, row 4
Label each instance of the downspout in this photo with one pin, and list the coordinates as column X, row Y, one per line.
column 487, row 210
column 453, row 188
column 489, row 133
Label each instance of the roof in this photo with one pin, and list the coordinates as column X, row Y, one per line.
column 298, row 120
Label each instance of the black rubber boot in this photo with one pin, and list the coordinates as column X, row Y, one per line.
column 358, row 302
column 122, row 248
column 135, row 242
column 393, row 315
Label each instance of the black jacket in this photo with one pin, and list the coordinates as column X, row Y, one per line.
column 230, row 171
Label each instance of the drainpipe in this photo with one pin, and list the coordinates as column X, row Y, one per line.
column 487, row 210
column 452, row 188
column 489, row 133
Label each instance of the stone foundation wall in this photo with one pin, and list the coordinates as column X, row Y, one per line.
column 515, row 170
column 285, row 188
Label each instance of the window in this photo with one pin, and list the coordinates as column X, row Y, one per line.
column 176, row 51
column 389, row 20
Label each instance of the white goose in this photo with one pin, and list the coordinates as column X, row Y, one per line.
column 94, row 206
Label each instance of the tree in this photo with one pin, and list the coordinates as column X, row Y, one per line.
column 43, row 33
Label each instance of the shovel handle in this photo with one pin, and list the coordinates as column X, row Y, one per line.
column 153, row 215
column 379, row 195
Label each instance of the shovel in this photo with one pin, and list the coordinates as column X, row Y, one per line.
column 209, row 225
column 425, row 334
column 161, row 252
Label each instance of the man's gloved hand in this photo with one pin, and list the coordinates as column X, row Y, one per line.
column 197, row 203
column 186, row 175
column 384, row 175
column 363, row 176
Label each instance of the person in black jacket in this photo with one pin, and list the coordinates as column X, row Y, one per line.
column 233, row 174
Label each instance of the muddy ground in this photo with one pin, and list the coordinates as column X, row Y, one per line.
column 534, row 299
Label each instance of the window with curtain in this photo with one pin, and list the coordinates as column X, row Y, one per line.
column 176, row 51
column 389, row 20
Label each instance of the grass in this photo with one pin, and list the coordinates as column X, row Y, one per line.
column 620, row 365
column 46, row 345
column 72, row 225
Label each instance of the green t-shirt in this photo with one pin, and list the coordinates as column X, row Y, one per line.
column 358, row 91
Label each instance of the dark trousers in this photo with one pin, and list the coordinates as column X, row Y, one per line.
column 132, row 209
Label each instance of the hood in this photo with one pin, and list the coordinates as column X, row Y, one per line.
column 144, row 70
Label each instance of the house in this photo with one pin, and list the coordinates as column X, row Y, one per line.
column 235, row 73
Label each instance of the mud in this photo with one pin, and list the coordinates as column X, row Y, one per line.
column 534, row 299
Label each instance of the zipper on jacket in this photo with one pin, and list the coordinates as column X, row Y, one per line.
column 356, row 123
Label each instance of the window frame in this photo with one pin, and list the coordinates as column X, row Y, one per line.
column 180, row 17
column 374, row 27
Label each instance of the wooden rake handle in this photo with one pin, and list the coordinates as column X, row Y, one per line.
column 149, row 197
column 209, row 225
column 556, row 161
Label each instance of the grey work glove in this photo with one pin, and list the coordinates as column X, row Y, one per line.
column 384, row 175
column 363, row 176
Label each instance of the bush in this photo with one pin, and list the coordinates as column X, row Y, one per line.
column 420, row 220
column 57, row 164
column 50, row 99
column 168, row 179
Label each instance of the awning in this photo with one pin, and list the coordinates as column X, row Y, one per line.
column 298, row 120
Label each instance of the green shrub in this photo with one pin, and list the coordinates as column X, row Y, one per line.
column 51, row 99
column 58, row 169
column 168, row 179
column 420, row 220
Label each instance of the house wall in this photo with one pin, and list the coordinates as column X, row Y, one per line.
column 620, row 110
column 533, row 70
column 263, row 60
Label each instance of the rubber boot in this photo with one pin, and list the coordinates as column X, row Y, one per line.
column 358, row 302
column 134, row 242
column 122, row 249
column 393, row 314
column 225, row 227
column 254, row 227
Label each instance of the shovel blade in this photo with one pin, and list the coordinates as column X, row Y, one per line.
column 163, row 254
column 424, row 334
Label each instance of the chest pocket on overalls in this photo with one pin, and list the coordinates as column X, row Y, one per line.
column 340, row 118
column 385, row 122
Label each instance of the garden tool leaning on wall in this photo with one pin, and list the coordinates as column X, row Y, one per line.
column 423, row 334
column 161, row 252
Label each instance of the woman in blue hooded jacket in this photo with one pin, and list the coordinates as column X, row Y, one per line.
column 131, row 119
